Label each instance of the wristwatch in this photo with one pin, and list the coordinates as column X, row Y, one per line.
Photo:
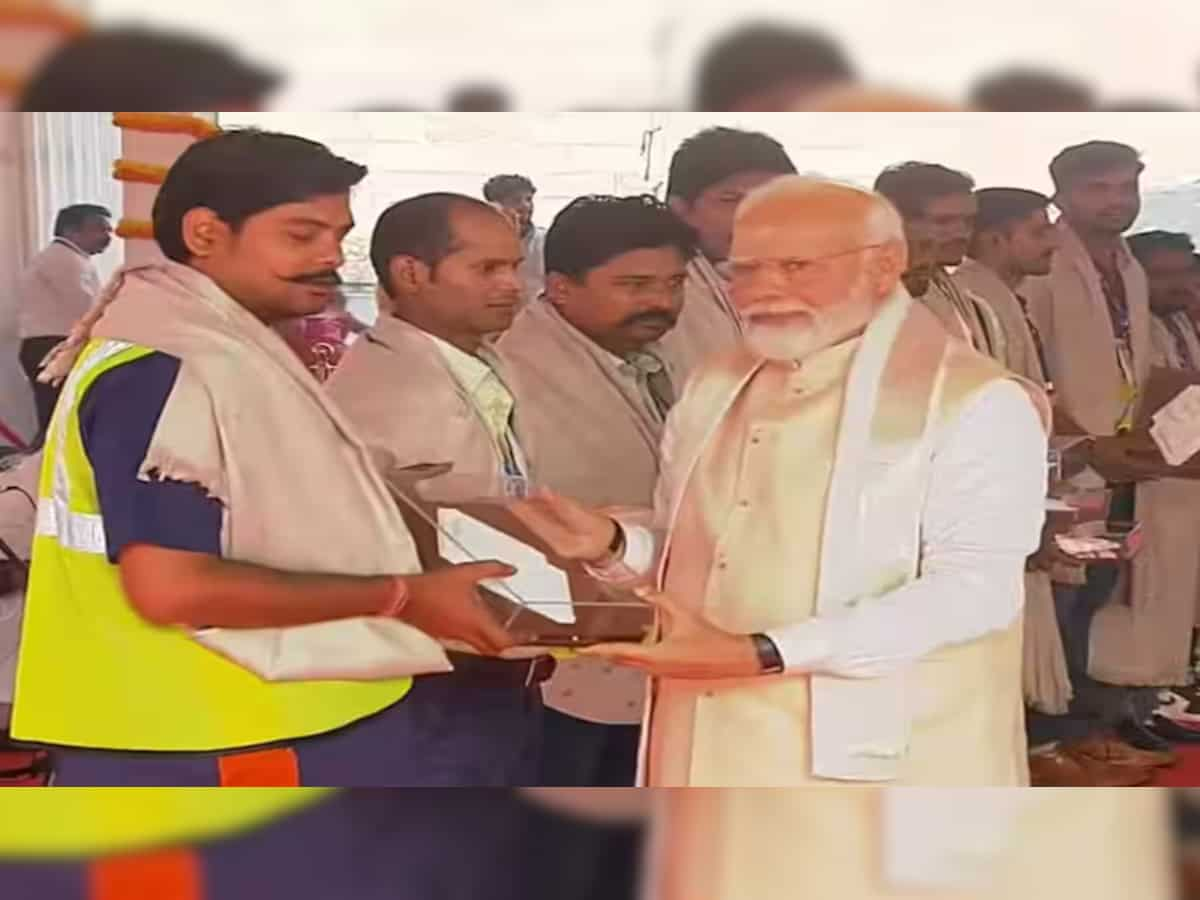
column 769, row 658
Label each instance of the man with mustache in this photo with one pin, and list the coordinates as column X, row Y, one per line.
column 180, row 494
column 424, row 387
column 594, row 387
column 840, row 528
column 939, row 208
column 1093, row 312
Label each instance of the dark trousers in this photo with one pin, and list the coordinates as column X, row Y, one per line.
column 45, row 396
column 447, row 732
column 584, row 754
column 1095, row 706
column 362, row 844
column 565, row 857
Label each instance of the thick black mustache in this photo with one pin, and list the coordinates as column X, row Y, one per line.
column 322, row 278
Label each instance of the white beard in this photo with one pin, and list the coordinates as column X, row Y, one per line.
column 819, row 331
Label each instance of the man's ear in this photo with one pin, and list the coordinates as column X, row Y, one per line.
column 203, row 231
column 559, row 289
column 408, row 274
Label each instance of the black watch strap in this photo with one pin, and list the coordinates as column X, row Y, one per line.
column 769, row 657
column 617, row 545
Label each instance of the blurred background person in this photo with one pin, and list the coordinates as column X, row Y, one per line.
column 1022, row 89
column 145, row 69
column 763, row 67
column 1167, row 258
column 57, row 287
column 938, row 206
column 1129, row 630
column 513, row 195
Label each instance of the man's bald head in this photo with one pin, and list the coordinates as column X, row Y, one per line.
column 811, row 262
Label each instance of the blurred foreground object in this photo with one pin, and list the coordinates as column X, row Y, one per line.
column 30, row 30
column 1031, row 90
column 884, row 844
column 143, row 69
column 855, row 98
column 765, row 67
column 478, row 98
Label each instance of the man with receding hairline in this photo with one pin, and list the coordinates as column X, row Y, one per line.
column 424, row 386
column 840, row 528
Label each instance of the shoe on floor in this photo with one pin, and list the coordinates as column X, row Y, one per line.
column 1112, row 750
column 1055, row 768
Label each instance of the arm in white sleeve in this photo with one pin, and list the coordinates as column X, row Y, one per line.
column 983, row 517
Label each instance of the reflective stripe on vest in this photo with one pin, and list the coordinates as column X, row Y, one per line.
column 93, row 673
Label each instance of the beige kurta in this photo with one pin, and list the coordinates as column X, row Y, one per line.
column 738, row 844
column 589, row 434
column 708, row 324
column 1044, row 671
column 749, row 466
column 1142, row 639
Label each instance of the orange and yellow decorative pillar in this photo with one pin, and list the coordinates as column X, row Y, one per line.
column 150, row 143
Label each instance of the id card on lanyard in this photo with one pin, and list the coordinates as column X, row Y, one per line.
column 1129, row 391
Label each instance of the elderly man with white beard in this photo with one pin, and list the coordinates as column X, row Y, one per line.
column 840, row 529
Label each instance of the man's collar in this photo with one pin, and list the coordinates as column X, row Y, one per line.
column 67, row 242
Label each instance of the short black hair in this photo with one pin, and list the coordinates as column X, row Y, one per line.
column 1001, row 207
column 72, row 218
column 759, row 55
column 1090, row 158
column 499, row 188
column 143, row 70
column 238, row 174
column 478, row 98
column 1145, row 244
column 593, row 229
column 911, row 185
column 715, row 154
column 1021, row 89
column 418, row 227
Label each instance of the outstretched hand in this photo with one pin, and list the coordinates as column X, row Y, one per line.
column 691, row 646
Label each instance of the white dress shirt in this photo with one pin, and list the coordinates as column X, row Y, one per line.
column 983, row 516
column 58, row 287
column 532, row 270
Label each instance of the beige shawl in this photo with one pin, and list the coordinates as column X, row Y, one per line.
column 250, row 425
